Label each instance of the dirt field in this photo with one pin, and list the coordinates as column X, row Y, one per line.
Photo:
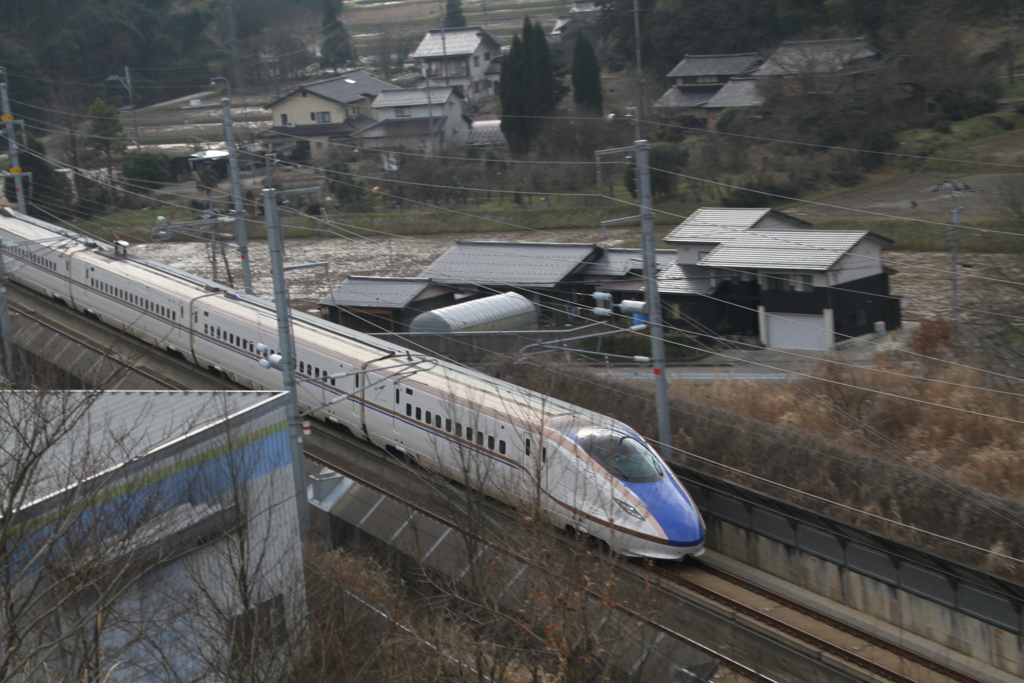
column 400, row 257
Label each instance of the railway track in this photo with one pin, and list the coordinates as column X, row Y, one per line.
column 879, row 656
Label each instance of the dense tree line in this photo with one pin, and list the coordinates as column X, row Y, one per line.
column 671, row 30
column 54, row 48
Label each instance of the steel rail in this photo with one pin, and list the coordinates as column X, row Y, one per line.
column 816, row 641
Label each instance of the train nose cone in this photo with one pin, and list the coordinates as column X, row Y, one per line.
column 671, row 508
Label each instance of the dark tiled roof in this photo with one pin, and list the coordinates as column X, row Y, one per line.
column 404, row 127
column 380, row 292
column 343, row 129
column 737, row 92
column 409, row 97
column 715, row 65
column 680, row 97
column 350, row 86
column 454, row 42
column 816, row 56
column 524, row 264
column 677, row 278
column 620, row 262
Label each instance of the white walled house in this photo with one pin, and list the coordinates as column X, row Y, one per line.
column 426, row 119
column 764, row 274
column 469, row 57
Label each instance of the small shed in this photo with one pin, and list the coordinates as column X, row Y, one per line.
column 508, row 311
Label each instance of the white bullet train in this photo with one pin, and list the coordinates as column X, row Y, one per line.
column 571, row 467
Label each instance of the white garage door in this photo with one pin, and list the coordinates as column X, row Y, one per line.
column 787, row 331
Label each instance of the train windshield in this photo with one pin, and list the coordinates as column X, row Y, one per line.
column 621, row 454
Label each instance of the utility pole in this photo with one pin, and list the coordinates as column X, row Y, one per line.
column 955, row 187
column 275, row 241
column 642, row 150
column 639, row 67
column 12, row 145
column 241, row 236
column 126, row 81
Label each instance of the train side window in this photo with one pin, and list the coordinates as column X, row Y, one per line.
column 469, row 434
column 231, row 338
column 543, row 454
column 448, row 425
column 527, row 446
column 333, row 382
column 419, row 414
column 437, row 421
column 408, row 409
column 357, row 381
column 501, row 447
column 490, row 443
column 302, row 366
column 479, row 438
column 428, row 420
column 206, row 328
column 398, row 394
column 408, row 391
column 458, row 429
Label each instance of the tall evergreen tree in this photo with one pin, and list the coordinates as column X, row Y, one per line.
column 511, row 95
column 337, row 48
column 586, row 77
column 453, row 16
column 106, row 133
column 530, row 89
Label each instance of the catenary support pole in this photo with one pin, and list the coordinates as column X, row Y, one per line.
column 12, row 146
column 5, row 322
column 241, row 236
column 650, row 262
column 275, row 242
column 954, row 257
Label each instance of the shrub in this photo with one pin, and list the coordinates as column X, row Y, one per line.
column 146, row 170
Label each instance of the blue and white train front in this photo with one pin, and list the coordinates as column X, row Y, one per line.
column 649, row 514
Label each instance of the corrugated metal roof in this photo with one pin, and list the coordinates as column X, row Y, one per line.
column 111, row 428
column 715, row 65
column 405, row 127
column 350, row 86
column 527, row 264
column 737, row 92
column 379, row 292
column 679, row 97
column 791, row 250
column 454, row 42
column 486, row 133
column 620, row 262
column 712, row 224
column 816, row 56
column 684, row 279
column 410, row 97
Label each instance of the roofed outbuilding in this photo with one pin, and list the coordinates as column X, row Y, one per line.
column 383, row 304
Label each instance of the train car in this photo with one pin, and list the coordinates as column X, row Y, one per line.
column 574, row 468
